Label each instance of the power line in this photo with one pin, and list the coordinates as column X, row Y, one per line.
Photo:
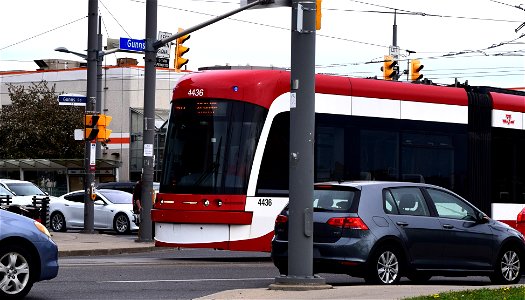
column 37, row 35
column 114, row 18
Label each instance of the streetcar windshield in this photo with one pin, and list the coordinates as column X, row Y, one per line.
column 210, row 146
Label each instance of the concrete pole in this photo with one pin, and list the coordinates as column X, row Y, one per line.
column 150, row 77
column 302, row 127
column 89, row 178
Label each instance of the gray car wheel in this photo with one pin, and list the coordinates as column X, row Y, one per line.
column 384, row 267
column 15, row 272
column 121, row 223
column 508, row 268
column 58, row 222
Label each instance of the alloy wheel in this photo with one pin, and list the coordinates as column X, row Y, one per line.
column 510, row 265
column 14, row 273
column 387, row 267
column 121, row 224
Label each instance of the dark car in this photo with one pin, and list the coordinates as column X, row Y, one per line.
column 381, row 231
column 126, row 186
column 27, row 255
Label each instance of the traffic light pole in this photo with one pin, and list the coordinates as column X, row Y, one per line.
column 92, row 54
column 150, row 77
column 302, row 138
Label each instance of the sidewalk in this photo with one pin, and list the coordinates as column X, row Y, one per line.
column 83, row 244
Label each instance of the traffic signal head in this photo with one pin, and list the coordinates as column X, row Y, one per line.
column 180, row 50
column 103, row 132
column 90, row 122
column 389, row 68
column 415, row 68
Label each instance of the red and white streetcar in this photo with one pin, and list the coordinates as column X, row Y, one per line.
column 225, row 166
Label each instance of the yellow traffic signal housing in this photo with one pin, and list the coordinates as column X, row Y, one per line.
column 180, row 50
column 90, row 122
column 103, row 132
column 415, row 68
column 318, row 14
column 389, row 68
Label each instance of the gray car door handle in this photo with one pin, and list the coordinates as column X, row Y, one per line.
column 402, row 224
column 448, row 226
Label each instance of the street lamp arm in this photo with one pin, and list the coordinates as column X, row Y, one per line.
column 65, row 50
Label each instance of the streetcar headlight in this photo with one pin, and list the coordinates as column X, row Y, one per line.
column 206, row 202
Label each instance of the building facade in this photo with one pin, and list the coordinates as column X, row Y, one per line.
column 122, row 99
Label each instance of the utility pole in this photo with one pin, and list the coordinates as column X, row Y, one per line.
column 302, row 138
column 394, row 49
column 100, row 57
column 90, row 150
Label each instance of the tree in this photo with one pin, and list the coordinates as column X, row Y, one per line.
column 35, row 126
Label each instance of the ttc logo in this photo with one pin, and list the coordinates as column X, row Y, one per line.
column 508, row 120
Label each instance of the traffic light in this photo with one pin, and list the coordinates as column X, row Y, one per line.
column 389, row 68
column 318, row 14
column 90, row 122
column 180, row 50
column 103, row 132
column 415, row 68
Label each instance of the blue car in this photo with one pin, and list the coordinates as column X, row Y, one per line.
column 27, row 255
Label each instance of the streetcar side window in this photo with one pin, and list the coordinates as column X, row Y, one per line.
column 273, row 175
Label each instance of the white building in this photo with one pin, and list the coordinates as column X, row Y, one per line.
column 122, row 99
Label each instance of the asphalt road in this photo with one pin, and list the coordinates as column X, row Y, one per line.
column 174, row 274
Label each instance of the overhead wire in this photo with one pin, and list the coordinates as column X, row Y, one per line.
column 42, row 33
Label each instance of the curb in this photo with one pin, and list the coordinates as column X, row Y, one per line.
column 115, row 251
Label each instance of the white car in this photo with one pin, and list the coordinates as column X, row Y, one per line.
column 23, row 191
column 113, row 211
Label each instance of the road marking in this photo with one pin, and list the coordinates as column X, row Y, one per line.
column 185, row 280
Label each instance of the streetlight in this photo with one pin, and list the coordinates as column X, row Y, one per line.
column 94, row 103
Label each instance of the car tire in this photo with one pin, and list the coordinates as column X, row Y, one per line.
column 384, row 266
column 508, row 267
column 58, row 222
column 16, row 278
column 121, row 223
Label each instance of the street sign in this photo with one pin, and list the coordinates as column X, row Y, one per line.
column 72, row 99
column 163, row 54
column 163, row 62
column 132, row 44
column 164, row 51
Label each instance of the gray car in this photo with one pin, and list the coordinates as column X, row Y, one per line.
column 381, row 231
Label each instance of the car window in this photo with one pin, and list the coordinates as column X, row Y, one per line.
column 450, row 206
column 333, row 200
column 409, row 201
column 75, row 197
column 4, row 192
column 117, row 197
column 389, row 204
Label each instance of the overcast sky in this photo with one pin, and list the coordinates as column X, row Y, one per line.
column 472, row 40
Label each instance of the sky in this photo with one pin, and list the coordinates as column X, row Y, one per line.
column 467, row 40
